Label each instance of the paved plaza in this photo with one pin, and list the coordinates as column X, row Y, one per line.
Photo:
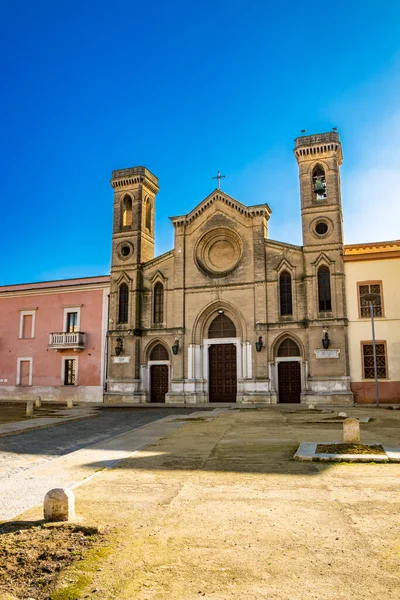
column 30, row 462
column 216, row 508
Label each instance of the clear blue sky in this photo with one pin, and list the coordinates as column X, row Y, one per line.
column 187, row 88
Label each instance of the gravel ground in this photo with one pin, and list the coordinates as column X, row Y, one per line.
column 31, row 463
column 219, row 510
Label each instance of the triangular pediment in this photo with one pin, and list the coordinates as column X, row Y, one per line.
column 232, row 203
column 284, row 265
column 158, row 276
column 124, row 277
column 322, row 258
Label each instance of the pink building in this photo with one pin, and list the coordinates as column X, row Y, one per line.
column 53, row 339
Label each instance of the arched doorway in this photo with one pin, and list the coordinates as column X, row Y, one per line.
column 289, row 372
column 222, row 361
column 159, row 373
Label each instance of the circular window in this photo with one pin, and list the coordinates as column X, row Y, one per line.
column 321, row 228
column 218, row 251
column 125, row 250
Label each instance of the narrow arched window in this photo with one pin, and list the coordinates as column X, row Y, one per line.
column 319, row 183
column 123, row 303
column 148, row 214
column 127, row 211
column 285, row 293
column 158, row 308
column 324, row 289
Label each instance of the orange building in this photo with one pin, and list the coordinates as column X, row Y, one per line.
column 374, row 268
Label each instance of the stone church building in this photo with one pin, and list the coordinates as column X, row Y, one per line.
column 229, row 315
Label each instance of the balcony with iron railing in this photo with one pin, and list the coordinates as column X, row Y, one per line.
column 75, row 340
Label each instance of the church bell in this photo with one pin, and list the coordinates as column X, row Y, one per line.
column 319, row 187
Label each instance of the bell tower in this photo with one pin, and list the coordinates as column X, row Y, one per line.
column 135, row 191
column 319, row 158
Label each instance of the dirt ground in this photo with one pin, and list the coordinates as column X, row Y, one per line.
column 32, row 555
column 219, row 510
column 14, row 412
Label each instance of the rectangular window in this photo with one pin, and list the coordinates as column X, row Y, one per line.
column 72, row 322
column 72, row 319
column 27, row 324
column 24, row 371
column 69, row 371
column 364, row 305
column 368, row 360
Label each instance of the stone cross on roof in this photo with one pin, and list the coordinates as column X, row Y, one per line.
column 219, row 177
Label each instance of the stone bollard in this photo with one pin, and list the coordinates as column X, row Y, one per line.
column 38, row 402
column 70, row 403
column 29, row 408
column 311, row 407
column 351, row 431
column 59, row 505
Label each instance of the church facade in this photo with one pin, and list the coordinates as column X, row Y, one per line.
column 229, row 315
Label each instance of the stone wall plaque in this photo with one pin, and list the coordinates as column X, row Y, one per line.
column 327, row 353
column 121, row 359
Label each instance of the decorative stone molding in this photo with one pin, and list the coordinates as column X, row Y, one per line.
column 315, row 222
column 218, row 252
column 132, row 176
column 260, row 210
column 125, row 250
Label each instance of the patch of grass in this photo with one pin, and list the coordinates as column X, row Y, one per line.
column 71, row 592
column 350, row 449
column 82, row 572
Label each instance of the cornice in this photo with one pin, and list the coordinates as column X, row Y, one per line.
column 125, row 178
column 54, row 290
column 372, row 251
column 372, row 256
column 269, row 242
column 259, row 210
column 310, row 147
column 157, row 259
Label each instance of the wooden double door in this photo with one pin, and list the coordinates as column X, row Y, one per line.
column 159, row 383
column 289, row 381
column 222, row 373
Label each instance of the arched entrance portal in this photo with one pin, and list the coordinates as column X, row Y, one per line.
column 159, row 373
column 222, row 361
column 289, row 375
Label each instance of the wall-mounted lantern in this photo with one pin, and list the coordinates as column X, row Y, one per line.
column 175, row 346
column 119, row 346
column 259, row 344
column 326, row 341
